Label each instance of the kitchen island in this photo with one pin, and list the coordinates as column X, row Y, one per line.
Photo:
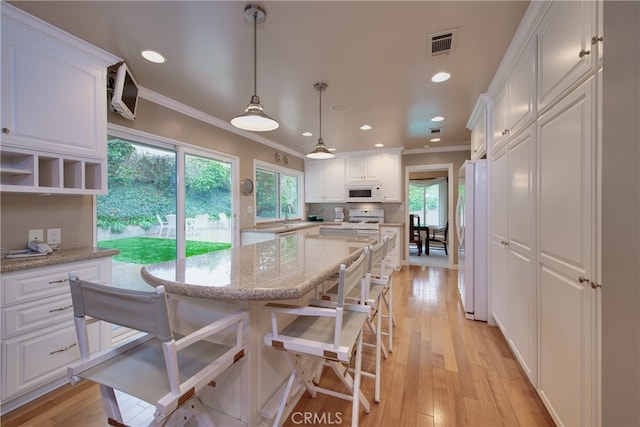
column 287, row 269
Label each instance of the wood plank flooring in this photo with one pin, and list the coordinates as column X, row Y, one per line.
column 445, row 370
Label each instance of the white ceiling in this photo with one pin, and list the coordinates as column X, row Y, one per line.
column 373, row 55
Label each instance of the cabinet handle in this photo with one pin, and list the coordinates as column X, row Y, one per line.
column 6, row 130
column 503, row 243
column 505, row 132
column 596, row 39
column 595, row 285
column 583, row 279
column 583, row 53
column 70, row 346
column 67, row 307
column 58, row 281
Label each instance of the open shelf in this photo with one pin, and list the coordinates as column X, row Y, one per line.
column 25, row 172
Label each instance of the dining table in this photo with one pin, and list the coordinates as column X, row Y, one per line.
column 424, row 231
column 287, row 269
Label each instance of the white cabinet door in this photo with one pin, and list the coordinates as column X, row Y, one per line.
column 521, row 92
column 324, row 181
column 499, row 125
column 390, row 177
column 522, row 294
column 479, row 137
column 334, row 189
column 566, row 206
column 395, row 256
column 499, row 224
column 363, row 168
column 314, row 172
column 53, row 99
column 565, row 51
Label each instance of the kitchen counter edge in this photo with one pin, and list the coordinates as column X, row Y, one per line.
column 62, row 256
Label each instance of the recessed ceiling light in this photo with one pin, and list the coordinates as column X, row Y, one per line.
column 437, row 119
column 339, row 108
column 365, row 127
column 435, row 140
column 440, row 77
column 378, row 145
column 306, row 134
column 153, row 56
column 331, row 149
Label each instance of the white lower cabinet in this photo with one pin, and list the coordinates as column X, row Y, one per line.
column 38, row 335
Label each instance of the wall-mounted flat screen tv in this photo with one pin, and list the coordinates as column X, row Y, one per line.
column 125, row 92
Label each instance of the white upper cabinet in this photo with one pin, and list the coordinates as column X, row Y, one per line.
column 390, row 177
column 54, row 107
column 478, row 125
column 363, row 168
column 324, row 181
column 514, row 106
column 568, row 48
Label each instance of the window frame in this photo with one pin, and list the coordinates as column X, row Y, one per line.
column 279, row 170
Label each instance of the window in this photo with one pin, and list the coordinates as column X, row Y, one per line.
column 277, row 192
column 428, row 200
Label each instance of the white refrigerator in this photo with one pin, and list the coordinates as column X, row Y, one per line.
column 472, row 231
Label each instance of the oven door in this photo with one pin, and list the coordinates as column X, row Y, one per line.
column 371, row 233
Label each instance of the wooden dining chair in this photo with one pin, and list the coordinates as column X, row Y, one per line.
column 159, row 367
column 414, row 233
column 438, row 238
column 325, row 336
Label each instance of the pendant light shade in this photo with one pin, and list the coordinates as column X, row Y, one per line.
column 254, row 118
column 320, row 151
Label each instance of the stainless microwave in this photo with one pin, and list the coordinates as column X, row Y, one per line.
column 362, row 191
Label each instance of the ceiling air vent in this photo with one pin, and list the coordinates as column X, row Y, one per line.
column 435, row 131
column 442, row 43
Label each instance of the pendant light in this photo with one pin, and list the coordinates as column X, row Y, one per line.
column 254, row 118
column 320, row 152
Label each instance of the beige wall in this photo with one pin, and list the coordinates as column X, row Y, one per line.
column 74, row 214
column 22, row 212
column 620, row 215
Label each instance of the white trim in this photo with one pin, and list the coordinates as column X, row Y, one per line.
column 174, row 105
column 47, row 31
column 427, row 168
column 282, row 170
column 465, row 147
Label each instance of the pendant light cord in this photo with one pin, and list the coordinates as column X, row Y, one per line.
column 255, row 53
column 320, row 113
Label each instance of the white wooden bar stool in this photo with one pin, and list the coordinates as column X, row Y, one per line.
column 330, row 336
column 373, row 298
column 155, row 367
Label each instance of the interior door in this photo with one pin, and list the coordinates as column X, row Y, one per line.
column 566, row 203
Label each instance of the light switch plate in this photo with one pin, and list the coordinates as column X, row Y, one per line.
column 36, row 235
column 53, row 236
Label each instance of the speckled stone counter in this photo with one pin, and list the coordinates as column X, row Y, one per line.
column 58, row 257
column 279, row 269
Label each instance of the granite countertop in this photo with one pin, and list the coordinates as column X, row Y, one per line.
column 279, row 269
column 58, row 257
column 285, row 228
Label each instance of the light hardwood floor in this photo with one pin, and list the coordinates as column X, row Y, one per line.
column 445, row 370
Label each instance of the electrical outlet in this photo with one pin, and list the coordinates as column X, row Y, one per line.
column 36, row 235
column 53, row 236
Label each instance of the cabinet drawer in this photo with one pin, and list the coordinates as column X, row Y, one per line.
column 36, row 283
column 23, row 318
column 37, row 358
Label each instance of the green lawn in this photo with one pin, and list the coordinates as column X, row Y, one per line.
column 151, row 250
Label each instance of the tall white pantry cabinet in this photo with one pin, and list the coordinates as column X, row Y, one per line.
column 544, row 172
